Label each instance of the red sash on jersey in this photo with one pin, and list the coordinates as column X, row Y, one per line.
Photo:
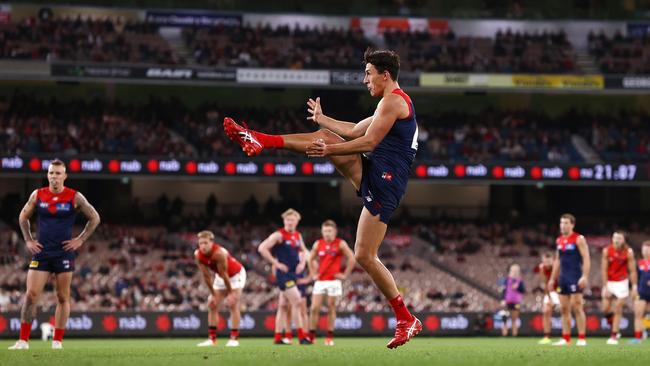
column 617, row 263
column 233, row 264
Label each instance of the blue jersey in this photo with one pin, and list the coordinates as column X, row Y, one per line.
column 56, row 216
column 287, row 252
column 644, row 278
column 570, row 259
column 396, row 152
column 387, row 169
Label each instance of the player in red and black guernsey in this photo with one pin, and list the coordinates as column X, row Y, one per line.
column 571, row 271
column 642, row 293
column 54, row 249
column 286, row 251
column 375, row 155
column 227, row 283
column 551, row 299
column 618, row 270
column 325, row 265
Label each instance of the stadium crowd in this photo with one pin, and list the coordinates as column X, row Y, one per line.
column 165, row 127
column 619, row 54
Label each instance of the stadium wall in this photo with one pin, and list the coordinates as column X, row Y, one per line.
column 194, row 324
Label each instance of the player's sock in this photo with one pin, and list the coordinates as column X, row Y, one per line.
column 567, row 337
column 234, row 334
column 271, row 141
column 25, row 331
column 301, row 333
column 277, row 337
column 312, row 334
column 288, row 335
column 547, row 334
column 58, row 334
column 610, row 318
column 637, row 335
column 212, row 333
column 400, row 309
column 330, row 334
column 613, row 335
column 583, row 336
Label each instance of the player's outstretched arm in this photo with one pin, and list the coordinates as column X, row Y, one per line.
column 26, row 213
column 347, row 130
column 586, row 261
column 388, row 111
column 91, row 214
column 265, row 250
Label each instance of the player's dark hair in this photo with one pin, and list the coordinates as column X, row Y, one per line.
column 383, row 60
column 330, row 223
column 569, row 217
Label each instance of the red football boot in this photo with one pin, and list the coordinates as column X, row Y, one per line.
column 243, row 136
column 404, row 331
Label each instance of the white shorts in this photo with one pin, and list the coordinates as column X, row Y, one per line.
column 329, row 288
column 237, row 281
column 551, row 298
column 620, row 289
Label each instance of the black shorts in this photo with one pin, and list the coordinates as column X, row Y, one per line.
column 381, row 190
column 512, row 306
column 285, row 280
column 644, row 296
column 568, row 286
column 57, row 264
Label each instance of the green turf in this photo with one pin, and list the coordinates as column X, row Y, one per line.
column 347, row 351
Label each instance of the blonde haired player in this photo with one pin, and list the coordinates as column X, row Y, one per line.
column 227, row 283
column 329, row 251
column 286, row 252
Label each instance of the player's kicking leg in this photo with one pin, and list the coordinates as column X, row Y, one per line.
column 36, row 281
column 213, row 319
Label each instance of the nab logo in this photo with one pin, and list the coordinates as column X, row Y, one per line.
column 63, row 207
column 43, row 205
column 368, row 198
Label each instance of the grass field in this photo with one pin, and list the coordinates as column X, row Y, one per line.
column 348, row 351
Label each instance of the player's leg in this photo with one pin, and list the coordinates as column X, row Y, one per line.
column 639, row 312
column 504, row 323
column 280, row 316
column 36, row 281
column 618, row 314
column 62, row 313
column 234, row 305
column 304, row 318
column 254, row 142
column 565, row 311
column 332, row 302
column 607, row 300
column 546, row 318
column 370, row 233
column 316, row 303
column 293, row 297
column 577, row 305
column 514, row 317
column 213, row 318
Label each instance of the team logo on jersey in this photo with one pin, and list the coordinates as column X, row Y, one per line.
column 33, row 264
column 44, row 205
column 387, row 176
column 63, row 206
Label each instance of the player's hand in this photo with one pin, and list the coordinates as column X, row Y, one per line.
column 282, row 267
column 313, row 107
column 300, row 267
column 72, row 244
column 340, row 276
column 231, row 300
column 317, row 149
column 582, row 282
column 33, row 246
column 550, row 286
